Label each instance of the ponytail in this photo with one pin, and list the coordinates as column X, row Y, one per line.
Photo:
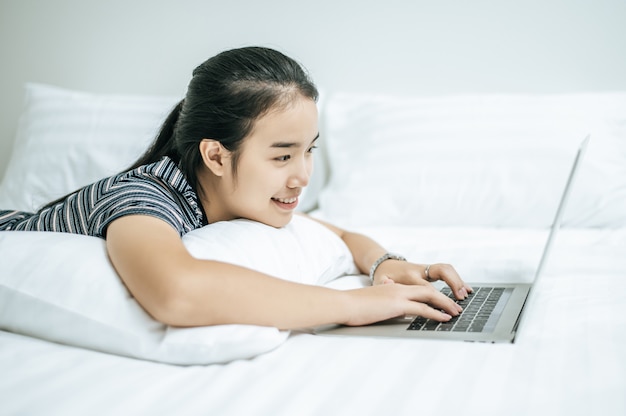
column 164, row 143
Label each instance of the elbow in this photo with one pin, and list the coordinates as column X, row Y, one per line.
column 167, row 310
column 175, row 306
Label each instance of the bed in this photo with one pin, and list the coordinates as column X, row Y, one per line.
column 470, row 180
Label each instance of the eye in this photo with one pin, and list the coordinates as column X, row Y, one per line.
column 310, row 150
column 283, row 158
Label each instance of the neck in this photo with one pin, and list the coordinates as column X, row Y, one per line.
column 209, row 191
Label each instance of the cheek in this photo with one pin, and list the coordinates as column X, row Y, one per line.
column 309, row 165
column 255, row 182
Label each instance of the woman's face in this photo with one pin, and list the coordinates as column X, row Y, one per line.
column 274, row 165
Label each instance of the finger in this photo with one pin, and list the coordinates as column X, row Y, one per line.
column 436, row 300
column 448, row 274
column 446, row 304
column 435, row 313
column 423, row 310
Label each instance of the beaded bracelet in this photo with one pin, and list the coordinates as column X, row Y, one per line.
column 386, row 256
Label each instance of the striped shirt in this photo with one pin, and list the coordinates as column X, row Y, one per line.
column 158, row 189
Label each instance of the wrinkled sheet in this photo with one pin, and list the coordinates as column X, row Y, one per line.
column 569, row 357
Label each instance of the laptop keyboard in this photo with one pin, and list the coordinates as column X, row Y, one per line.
column 477, row 308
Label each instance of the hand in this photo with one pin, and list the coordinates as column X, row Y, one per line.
column 385, row 301
column 414, row 274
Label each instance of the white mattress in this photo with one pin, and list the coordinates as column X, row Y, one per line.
column 570, row 357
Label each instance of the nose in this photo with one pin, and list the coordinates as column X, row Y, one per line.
column 301, row 173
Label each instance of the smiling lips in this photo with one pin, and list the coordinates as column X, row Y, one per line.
column 286, row 203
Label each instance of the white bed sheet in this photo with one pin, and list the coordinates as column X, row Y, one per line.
column 570, row 357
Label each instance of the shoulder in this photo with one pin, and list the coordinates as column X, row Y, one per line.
column 158, row 189
column 159, row 181
column 164, row 173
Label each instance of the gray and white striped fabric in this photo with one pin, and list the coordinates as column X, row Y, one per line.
column 158, row 189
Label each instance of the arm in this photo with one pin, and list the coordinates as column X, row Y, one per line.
column 179, row 290
column 365, row 252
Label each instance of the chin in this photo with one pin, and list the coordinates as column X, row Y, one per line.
column 278, row 222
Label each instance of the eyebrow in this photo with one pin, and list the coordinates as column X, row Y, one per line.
column 283, row 145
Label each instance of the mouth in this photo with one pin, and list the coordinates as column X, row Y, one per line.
column 286, row 203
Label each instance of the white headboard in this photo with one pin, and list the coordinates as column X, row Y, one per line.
column 395, row 46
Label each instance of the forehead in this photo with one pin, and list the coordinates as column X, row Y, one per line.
column 296, row 123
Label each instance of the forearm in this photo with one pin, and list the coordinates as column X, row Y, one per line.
column 177, row 289
column 212, row 293
column 365, row 251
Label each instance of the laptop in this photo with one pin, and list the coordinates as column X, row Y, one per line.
column 492, row 313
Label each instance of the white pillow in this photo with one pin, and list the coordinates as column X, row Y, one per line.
column 62, row 287
column 490, row 160
column 303, row 251
column 68, row 139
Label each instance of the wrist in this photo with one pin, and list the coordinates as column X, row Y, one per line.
column 380, row 260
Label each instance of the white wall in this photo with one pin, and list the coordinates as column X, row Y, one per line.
column 409, row 47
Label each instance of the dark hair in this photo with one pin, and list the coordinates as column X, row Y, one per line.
column 225, row 96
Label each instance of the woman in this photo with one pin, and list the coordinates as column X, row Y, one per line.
column 238, row 146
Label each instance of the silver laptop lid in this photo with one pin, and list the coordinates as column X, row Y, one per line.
column 555, row 227
column 558, row 218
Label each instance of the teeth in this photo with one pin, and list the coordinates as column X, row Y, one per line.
column 286, row 200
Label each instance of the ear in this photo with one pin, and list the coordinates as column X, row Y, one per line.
column 214, row 155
